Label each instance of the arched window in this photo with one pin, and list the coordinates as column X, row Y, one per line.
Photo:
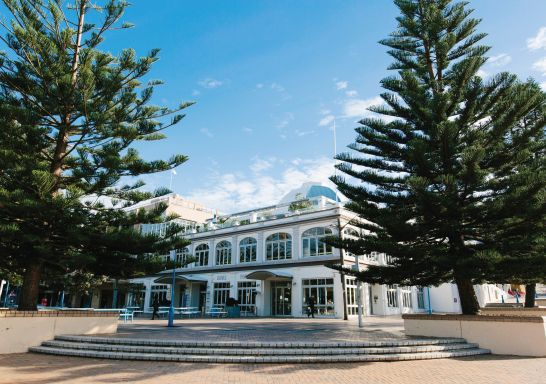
column 247, row 250
column 313, row 244
column 202, row 255
column 182, row 257
column 223, row 253
column 278, row 246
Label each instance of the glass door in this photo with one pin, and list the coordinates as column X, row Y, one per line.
column 281, row 299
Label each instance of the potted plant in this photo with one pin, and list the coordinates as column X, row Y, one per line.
column 232, row 308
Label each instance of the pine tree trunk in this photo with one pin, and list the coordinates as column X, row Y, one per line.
column 30, row 288
column 530, row 293
column 467, row 296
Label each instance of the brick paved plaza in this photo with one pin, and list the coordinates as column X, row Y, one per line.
column 37, row 368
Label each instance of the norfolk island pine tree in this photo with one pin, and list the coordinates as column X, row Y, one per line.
column 85, row 110
column 427, row 179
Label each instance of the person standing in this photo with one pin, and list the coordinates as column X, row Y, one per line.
column 311, row 303
column 155, row 306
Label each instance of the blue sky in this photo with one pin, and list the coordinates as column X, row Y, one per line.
column 269, row 77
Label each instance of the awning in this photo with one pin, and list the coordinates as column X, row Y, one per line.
column 167, row 278
column 268, row 275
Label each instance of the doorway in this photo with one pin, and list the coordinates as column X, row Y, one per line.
column 281, row 298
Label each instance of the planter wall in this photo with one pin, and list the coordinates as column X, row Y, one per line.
column 503, row 335
column 21, row 330
column 513, row 311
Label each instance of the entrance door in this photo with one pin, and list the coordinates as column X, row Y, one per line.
column 281, row 300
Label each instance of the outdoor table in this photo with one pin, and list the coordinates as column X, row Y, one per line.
column 187, row 311
column 216, row 311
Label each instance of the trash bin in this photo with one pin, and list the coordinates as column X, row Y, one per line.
column 234, row 311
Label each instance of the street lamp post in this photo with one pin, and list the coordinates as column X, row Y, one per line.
column 171, row 308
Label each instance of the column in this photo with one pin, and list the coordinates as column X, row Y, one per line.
column 147, row 294
column 235, row 250
column 212, row 253
column 296, row 243
column 260, row 248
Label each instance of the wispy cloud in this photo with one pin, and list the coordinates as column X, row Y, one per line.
column 206, row 132
column 299, row 133
column 259, row 165
column 543, row 86
column 351, row 93
column 240, row 191
column 359, row 107
column 326, row 120
column 247, row 130
column 499, row 60
column 342, row 85
column 288, row 117
column 259, row 85
column 538, row 41
column 277, row 87
column 195, row 92
column 210, row 83
column 541, row 66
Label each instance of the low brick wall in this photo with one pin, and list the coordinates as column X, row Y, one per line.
column 513, row 311
column 20, row 330
column 540, row 302
column 502, row 334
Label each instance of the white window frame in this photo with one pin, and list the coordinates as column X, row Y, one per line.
column 181, row 257
column 351, row 287
column 392, row 296
column 246, row 296
column 406, row 297
column 278, row 246
column 220, row 293
column 223, row 253
column 248, row 250
column 309, row 286
column 313, row 237
column 202, row 255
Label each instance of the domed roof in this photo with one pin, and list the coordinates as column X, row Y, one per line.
column 309, row 191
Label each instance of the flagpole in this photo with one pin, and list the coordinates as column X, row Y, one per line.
column 335, row 154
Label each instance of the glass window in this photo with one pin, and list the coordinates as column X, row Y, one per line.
column 220, row 294
column 420, row 298
column 246, row 295
column 182, row 256
column 392, row 297
column 278, row 246
column 159, row 292
column 352, row 305
column 223, row 253
column 202, row 255
column 406, row 297
column 247, row 250
column 313, row 244
column 323, row 292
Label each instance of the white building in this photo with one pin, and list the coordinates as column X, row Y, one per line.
column 272, row 260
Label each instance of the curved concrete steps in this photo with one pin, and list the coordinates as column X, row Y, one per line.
column 257, row 352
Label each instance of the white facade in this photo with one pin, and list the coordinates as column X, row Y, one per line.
column 272, row 260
